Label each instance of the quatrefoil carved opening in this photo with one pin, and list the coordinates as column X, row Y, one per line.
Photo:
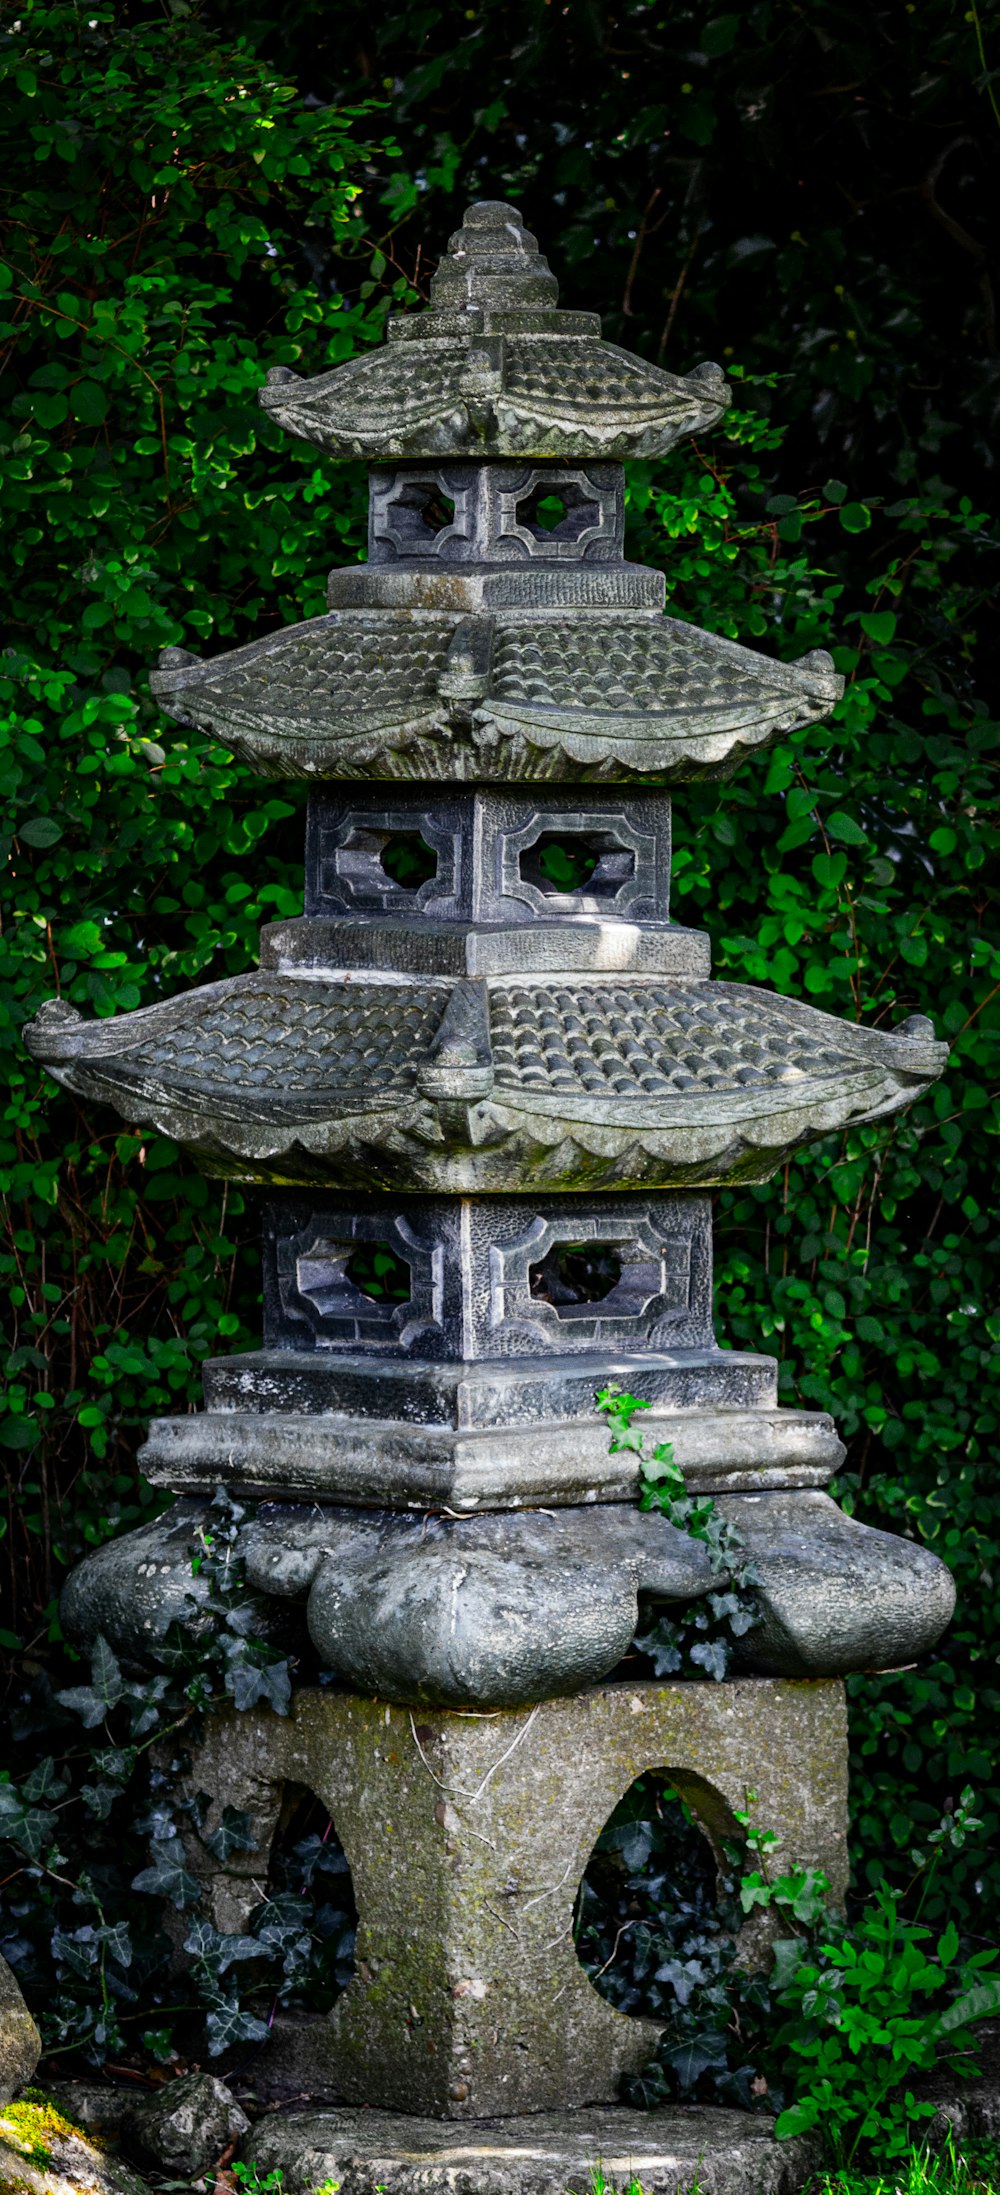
column 557, row 513
column 352, row 1279
column 574, row 1276
column 419, row 517
column 564, row 864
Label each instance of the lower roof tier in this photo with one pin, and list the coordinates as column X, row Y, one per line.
column 502, row 1085
column 429, row 694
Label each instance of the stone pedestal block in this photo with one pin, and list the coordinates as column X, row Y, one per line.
column 467, row 1836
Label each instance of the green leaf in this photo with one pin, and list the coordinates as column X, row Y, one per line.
column 719, row 35
column 981, row 2003
column 234, row 1834
column 880, row 625
column 229, row 2024
column 81, row 940
column 798, row 2118
column 948, row 1945
column 168, row 1877
column 40, row 831
column 82, row 1700
column 843, row 826
column 105, row 1674
column 855, row 518
column 89, row 403
column 829, row 869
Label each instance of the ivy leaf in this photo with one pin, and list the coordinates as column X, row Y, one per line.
column 82, row 1700
column 712, row 1656
column 118, row 1943
column 105, row 1673
column 228, row 2024
column 250, row 1683
column 44, row 1782
column 32, row 1830
column 708, row 2051
column 168, row 1877
column 234, row 1834
column 100, row 1798
column 215, row 1950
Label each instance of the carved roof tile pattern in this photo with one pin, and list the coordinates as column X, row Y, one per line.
column 527, row 396
column 614, row 1043
column 356, row 693
column 278, row 1076
column 268, row 1042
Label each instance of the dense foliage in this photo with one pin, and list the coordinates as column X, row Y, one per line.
column 157, row 207
column 191, row 197
column 842, row 2031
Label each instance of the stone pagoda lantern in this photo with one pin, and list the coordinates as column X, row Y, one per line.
column 487, row 1065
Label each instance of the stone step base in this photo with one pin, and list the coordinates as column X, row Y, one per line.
column 548, row 2153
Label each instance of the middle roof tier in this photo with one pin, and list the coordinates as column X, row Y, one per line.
column 358, row 1080
column 417, row 693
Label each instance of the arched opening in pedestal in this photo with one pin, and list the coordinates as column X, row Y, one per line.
column 310, row 1917
column 656, row 1924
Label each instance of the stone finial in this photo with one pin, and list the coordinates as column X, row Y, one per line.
column 494, row 262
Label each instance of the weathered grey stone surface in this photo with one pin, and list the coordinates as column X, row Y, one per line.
column 467, row 1836
column 43, row 2153
column 475, row 1280
column 415, row 693
column 684, row 1388
column 485, row 846
column 494, row 370
column 967, row 2110
column 185, row 2126
column 494, row 1610
column 292, row 1442
column 132, row 1589
column 497, row 1610
column 424, row 1086
column 550, row 2153
column 586, row 944
column 501, row 1608
column 95, row 2106
column 20, row 2041
column 835, row 1594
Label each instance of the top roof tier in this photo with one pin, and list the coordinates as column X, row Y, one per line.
column 493, row 369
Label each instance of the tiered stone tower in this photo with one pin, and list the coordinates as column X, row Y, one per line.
column 487, row 1074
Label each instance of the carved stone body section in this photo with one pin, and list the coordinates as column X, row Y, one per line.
column 492, row 1279
column 497, row 514
column 466, row 1378
column 487, row 1081
column 494, row 858
column 467, row 1839
column 508, row 1606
